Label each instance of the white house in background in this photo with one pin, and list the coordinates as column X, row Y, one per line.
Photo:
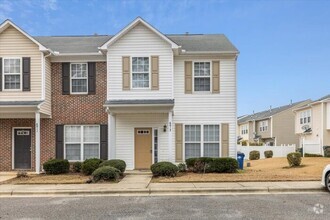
column 169, row 97
column 312, row 125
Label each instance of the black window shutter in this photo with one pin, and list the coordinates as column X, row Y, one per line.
column 0, row 74
column 104, row 142
column 26, row 73
column 65, row 78
column 59, row 141
column 91, row 78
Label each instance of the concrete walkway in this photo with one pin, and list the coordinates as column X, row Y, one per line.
column 139, row 185
column 4, row 176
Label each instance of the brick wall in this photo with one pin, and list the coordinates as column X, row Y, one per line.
column 66, row 109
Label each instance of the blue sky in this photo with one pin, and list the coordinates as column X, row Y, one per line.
column 284, row 45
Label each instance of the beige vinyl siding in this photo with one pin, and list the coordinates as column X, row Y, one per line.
column 125, row 124
column 244, row 136
column 205, row 107
column 140, row 42
column 284, row 128
column 298, row 126
column 46, row 106
column 15, row 44
column 326, row 121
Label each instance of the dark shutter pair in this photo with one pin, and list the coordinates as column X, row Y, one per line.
column 26, row 74
column 103, row 142
column 91, row 78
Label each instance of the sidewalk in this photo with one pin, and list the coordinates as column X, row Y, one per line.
column 140, row 185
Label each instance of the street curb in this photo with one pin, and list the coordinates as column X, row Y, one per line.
column 161, row 191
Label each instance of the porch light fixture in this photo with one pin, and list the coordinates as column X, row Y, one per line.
column 165, row 128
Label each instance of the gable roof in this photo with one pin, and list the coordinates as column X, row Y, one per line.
column 268, row 113
column 323, row 98
column 204, row 43
column 8, row 23
column 133, row 24
column 74, row 44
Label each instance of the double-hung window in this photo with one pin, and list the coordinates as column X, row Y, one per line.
column 305, row 117
column 202, row 140
column 263, row 126
column 244, row 129
column 82, row 142
column 79, row 78
column 12, row 72
column 202, row 76
column 140, row 72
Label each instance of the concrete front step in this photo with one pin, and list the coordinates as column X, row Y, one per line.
column 138, row 172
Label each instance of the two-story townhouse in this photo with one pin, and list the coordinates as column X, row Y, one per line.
column 139, row 95
column 312, row 125
column 273, row 127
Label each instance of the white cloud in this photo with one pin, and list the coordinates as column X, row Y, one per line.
column 50, row 5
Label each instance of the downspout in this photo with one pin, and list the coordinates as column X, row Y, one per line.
column 322, row 127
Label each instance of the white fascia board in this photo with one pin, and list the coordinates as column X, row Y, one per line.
column 210, row 52
column 7, row 23
column 79, row 54
column 137, row 21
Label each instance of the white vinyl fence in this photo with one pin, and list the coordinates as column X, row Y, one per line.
column 278, row 151
column 312, row 147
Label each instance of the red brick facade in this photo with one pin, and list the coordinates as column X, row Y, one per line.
column 66, row 109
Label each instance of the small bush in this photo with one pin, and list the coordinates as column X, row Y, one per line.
column 199, row 164
column 190, row 162
column 268, row 154
column 182, row 167
column 90, row 165
column 118, row 164
column 164, row 169
column 244, row 143
column 21, row 174
column 223, row 165
column 326, row 150
column 56, row 166
column 76, row 166
column 254, row 155
column 312, row 155
column 294, row 159
column 105, row 173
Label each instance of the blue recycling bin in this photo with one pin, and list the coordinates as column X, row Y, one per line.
column 240, row 160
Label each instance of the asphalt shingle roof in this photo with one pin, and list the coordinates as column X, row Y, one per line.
column 266, row 114
column 140, row 101
column 15, row 103
column 90, row 44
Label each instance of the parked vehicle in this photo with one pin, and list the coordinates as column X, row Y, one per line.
column 326, row 177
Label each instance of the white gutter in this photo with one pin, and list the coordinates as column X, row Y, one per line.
column 210, row 52
column 138, row 105
column 78, row 54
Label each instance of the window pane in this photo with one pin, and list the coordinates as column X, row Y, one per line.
column 91, row 151
column 211, row 150
column 12, row 81
column 79, row 85
column 72, row 151
column 202, row 84
column 140, row 80
column 72, row 134
column 192, row 133
column 192, row 150
column 92, row 134
column 202, row 68
column 211, row 133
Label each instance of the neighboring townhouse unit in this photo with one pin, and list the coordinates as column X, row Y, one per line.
column 272, row 127
column 312, row 125
column 139, row 95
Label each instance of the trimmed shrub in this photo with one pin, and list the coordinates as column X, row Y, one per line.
column 268, row 154
column 182, row 167
column 199, row 164
column 326, row 150
column 105, row 173
column 76, row 166
column 56, row 166
column 164, row 169
column 190, row 163
column 244, row 143
column 294, row 159
column 223, row 165
column 312, row 155
column 90, row 165
column 118, row 164
column 254, row 155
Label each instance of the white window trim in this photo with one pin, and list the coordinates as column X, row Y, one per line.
column 78, row 93
column 131, row 74
column 202, row 139
column 81, row 142
column 263, row 126
column 305, row 115
column 193, row 76
column 244, row 129
column 3, row 74
column 153, row 144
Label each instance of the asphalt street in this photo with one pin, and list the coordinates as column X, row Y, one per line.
column 277, row 206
